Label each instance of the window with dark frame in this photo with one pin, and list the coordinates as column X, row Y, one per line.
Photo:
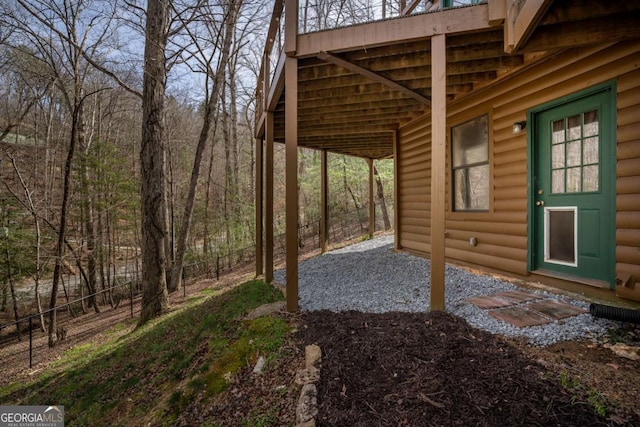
column 470, row 165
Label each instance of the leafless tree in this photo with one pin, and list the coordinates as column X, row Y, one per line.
column 155, row 299
column 212, row 59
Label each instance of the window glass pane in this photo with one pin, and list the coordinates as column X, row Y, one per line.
column 590, row 151
column 470, row 160
column 472, row 188
column 557, row 181
column 558, row 131
column 470, row 142
column 590, row 177
column 573, row 153
column 557, row 156
column 590, row 123
column 573, row 125
column 573, row 180
column 561, row 236
column 575, row 160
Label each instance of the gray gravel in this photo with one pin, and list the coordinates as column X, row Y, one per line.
column 370, row 277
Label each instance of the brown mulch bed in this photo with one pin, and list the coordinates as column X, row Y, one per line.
column 402, row 369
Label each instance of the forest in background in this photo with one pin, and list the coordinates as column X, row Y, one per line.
column 71, row 128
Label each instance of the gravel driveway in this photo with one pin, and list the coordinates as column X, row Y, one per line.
column 370, row 277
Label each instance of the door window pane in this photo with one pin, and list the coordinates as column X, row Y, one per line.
column 573, row 125
column 557, row 181
column 573, row 180
column 558, row 131
column 590, row 151
column 557, row 156
column 590, row 123
column 590, row 178
column 575, row 151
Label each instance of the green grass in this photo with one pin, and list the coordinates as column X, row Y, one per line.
column 152, row 373
column 582, row 394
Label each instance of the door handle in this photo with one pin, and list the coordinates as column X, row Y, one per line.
column 540, row 203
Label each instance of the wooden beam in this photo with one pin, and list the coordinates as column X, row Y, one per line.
column 372, row 204
column 291, row 181
column 350, row 112
column 277, row 86
column 410, row 7
column 438, row 168
column 349, row 123
column 587, row 32
column 393, row 31
column 263, row 92
column 324, row 202
column 258, row 205
column 373, row 76
column 581, row 10
column 396, row 191
column 291, row 27
column 527, row 20
column 321, row 131
column 274, row 25
column 497, row 12
column 268, row 226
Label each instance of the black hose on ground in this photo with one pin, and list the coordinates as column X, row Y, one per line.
column 615, row 313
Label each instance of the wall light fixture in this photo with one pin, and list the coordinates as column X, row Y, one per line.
column 518, row 127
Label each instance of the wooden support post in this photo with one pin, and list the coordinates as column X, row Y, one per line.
column 372, row 204
column 324, row 203
column 268, row 220
column 259, row 203
column 438, row 169
column 291, row 180
column 396, row 194
column 291, row 27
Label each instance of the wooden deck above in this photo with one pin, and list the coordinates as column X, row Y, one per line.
column 358, row 84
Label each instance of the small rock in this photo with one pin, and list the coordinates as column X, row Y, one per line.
column 624, row 350
column 307, row 375
column 265, row 310
column 259, row 365
column 312, row 355
column 307, row 404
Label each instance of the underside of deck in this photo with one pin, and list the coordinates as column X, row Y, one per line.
column 358, row 84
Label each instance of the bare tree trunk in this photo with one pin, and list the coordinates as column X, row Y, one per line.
column 57, row 270
column 209, row 114
column 88, row 211
column 383, row 203
column 170, row 215
column 352, row 194
column 208, row 191
column 302, row 203
column 227, row 168
column 32, row 210
column 155, row 299
column 5, row 287
column 207, row 204
column 13, row 292
column 233, row 106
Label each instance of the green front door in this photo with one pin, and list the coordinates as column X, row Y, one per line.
column 573, row 186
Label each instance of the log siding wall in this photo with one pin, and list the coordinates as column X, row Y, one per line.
column 502, row 232
column 628, row 174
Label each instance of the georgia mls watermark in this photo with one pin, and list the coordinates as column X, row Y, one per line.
column 32, row 416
